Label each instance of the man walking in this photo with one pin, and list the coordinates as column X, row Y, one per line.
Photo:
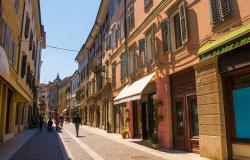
column 77, row 121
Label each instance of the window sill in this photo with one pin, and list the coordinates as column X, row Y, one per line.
column 179, row 49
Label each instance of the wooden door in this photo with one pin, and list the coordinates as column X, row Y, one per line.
column 179, row 124
column 135, row 120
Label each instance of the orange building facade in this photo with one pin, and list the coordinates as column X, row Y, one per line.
column 162, row 68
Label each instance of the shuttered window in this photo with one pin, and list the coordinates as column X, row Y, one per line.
column 27, row 26
column 142, row 52
column 132, row 60
column 165, row 35
column 183, row 22
column 220, row 10
column 131, row 16
column 124, row 65
column 23, row 68
column 31, row 41
column 147, row 3
column 150, row 47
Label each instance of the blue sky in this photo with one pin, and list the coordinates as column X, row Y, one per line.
column 67, row 25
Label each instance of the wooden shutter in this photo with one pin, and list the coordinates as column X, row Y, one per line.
column 214, row 7
column 183, row 22
column 225, row 7
column 27, row 26
column 31, row 41
column 165, row 35
column 142, row 52
column 122, row 65
column 23, row 68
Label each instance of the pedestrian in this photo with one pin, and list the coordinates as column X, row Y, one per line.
column 41, row 121
column 57, row 121
column 61, row 120
column 77, row 121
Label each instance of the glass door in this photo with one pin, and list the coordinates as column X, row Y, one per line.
column 179, row 125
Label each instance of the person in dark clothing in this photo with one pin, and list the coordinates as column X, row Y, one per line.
column 77, row 121
column 50, row 123
column 41, row 121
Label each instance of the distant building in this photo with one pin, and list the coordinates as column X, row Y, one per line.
column 52, row 94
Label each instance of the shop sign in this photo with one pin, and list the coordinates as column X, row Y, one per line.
column 233, row 44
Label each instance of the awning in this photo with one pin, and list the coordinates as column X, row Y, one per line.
column 4, row 64
column 21, row 96
column 133, row 91
column 230, row 41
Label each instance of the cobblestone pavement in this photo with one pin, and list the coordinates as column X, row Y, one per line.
column 41, row 146
column 109, row 149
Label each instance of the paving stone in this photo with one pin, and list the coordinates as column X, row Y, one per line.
column 41, row 146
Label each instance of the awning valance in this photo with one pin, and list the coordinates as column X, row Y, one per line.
column 230, row 41
column 133, row 91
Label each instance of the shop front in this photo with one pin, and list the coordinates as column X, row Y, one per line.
column 223, row 83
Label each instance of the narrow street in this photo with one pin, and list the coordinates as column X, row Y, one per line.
column 92, row 144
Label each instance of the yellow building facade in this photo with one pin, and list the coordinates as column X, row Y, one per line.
column 19, row 76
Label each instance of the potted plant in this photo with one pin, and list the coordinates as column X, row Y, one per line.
column 124, row 133
column 155, row 141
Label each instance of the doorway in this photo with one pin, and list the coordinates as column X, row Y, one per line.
column 9, row 101
column 184, row 111
column 135, row 119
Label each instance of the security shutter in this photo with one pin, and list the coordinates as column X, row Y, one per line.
column 165, row 35
column 183, row 23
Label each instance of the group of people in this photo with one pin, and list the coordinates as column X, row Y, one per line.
column 59, row 120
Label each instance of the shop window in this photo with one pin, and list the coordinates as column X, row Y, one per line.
column 241, row 107
column 220, row 10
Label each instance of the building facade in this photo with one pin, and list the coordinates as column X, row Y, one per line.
column 169, row 68
column 53, row 96
column 19, row 64
column 43, row 99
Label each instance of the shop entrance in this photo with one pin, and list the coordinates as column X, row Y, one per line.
column 7, row 122
column 184, row 111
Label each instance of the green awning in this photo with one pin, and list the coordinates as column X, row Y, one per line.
column 226, row 40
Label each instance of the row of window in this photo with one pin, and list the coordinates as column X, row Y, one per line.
column 6, row 40
column 174, row 35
